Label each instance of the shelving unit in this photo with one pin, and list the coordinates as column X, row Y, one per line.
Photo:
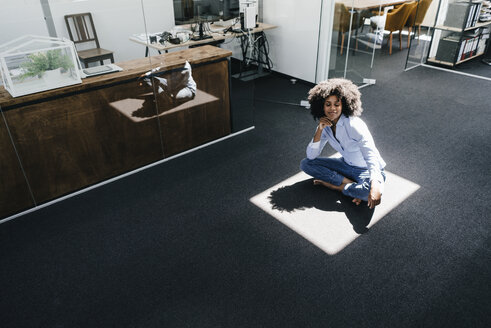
column 458, row 36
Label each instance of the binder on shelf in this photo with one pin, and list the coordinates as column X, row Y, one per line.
column 476, row 16
column 471, row 48
column 473, row 14
column 476, row 43
column 461, row 51
column 470, row 15
column 469, row 44
column 481, row 46
column 466, row 48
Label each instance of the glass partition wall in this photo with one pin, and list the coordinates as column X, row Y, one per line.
column 174, row 75
column 190, row 92
column 422, row 31
column 301, row 49
column 350, row 40
column 313, row 41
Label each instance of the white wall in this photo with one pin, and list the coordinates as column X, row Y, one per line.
column 115, row 21
column 21, row 17
column 293, row 45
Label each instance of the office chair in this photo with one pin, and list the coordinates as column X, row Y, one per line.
column 396, row 20
column 342, row 18
column 82, row 30
column 416, row 18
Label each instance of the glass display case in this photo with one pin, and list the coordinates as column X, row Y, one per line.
column 461, row 33
column 31, row 64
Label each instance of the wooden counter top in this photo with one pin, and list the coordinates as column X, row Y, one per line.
column 131, row 69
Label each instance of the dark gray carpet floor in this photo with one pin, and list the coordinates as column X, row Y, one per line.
column 181, row 245
column 476, row 67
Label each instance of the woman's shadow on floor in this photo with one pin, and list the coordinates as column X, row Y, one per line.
column 305, row 194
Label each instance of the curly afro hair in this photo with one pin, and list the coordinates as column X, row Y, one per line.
column 344, row 89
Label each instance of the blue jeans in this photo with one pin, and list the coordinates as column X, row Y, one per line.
column 333, row 170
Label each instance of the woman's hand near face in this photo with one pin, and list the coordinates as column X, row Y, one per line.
column 323, row 122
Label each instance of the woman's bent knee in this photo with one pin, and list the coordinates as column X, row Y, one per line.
column 305, row 164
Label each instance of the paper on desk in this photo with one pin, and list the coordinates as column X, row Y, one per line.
column 145, row 37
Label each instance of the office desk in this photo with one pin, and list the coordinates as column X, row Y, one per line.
column 370, row 4
column 216, row 36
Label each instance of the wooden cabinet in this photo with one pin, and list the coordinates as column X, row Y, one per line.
column 70, row 138
column 14, row 190
column 205, row 118
column 74, row 141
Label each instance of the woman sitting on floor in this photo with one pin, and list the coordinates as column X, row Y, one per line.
column 336, row 104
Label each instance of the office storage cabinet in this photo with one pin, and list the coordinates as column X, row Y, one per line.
column 459, row 35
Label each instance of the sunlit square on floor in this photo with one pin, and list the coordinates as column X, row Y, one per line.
column 324, row 217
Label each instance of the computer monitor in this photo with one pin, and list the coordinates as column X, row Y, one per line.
column 231, row 9
column 197, row 12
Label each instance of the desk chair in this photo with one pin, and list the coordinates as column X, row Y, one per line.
column 396, row 20
column 82, row 30
column 416, row 17
column 342, row 19
column 377, row 21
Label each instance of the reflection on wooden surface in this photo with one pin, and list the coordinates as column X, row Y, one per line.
column 14, row 192
column 143, row 108
column 185, row 129
column 72, row 141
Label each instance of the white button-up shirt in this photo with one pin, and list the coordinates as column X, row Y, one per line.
column 354, row 142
